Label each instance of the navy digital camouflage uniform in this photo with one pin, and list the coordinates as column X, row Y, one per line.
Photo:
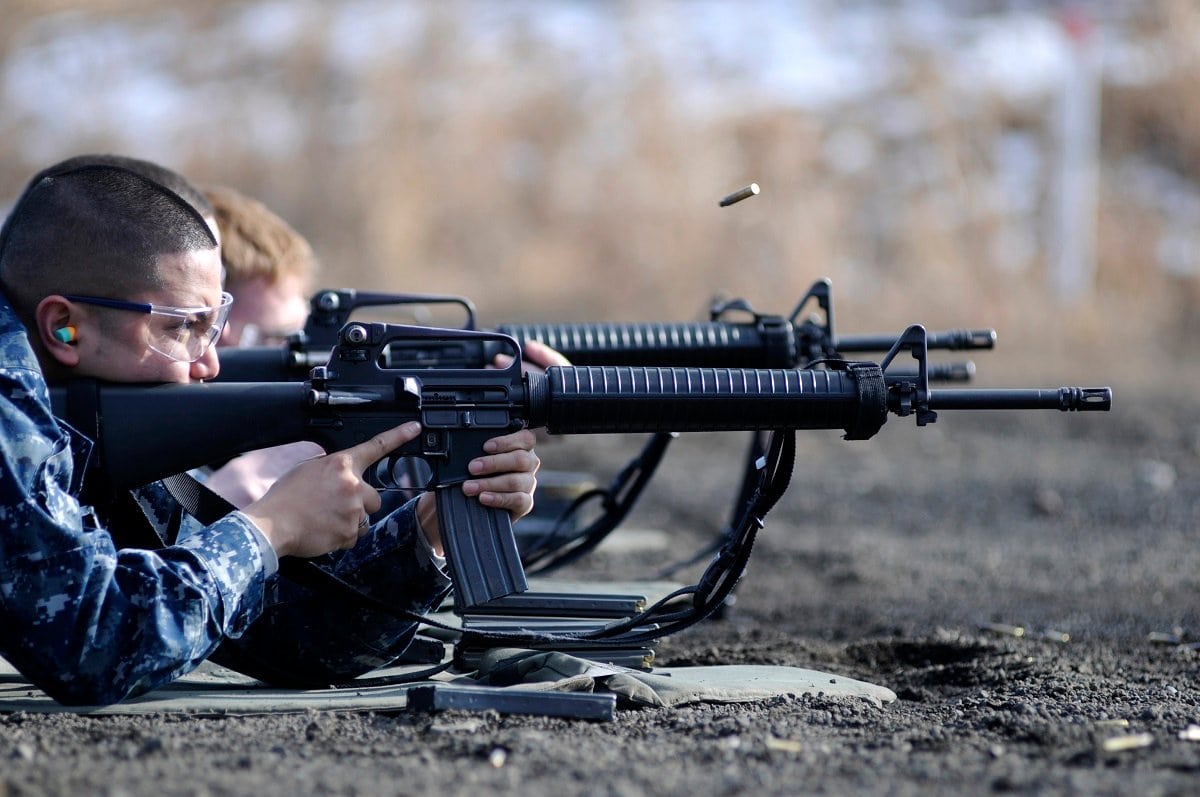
column 91, row 624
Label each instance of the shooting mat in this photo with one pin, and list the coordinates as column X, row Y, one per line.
column 215, row 691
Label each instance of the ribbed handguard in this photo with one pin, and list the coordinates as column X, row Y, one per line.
column 600, row 400
column 683, row 345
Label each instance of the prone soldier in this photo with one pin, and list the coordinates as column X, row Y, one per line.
column 108, row 274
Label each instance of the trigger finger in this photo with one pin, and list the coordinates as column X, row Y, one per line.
column 383, row 444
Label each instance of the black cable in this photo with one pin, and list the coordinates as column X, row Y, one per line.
column 618, row 500
column 714, row 586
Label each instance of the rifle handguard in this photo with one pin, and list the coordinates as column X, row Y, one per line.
column 603, row 400
column 682, row 345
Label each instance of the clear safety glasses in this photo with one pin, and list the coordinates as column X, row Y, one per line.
column 181, row 333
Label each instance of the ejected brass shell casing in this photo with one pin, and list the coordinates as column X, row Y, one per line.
column 1004, row 628
column 1113, row 723
column 1133, row 741
column 740, row 194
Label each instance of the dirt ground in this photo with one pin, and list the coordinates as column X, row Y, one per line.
column 898, row 560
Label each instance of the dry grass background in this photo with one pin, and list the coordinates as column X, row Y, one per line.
column 504, row 175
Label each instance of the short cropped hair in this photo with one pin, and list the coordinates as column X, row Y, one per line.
column 95, row 229
column 256, row 243
column 160, row 174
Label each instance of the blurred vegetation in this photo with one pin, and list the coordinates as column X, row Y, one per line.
column 506, row 175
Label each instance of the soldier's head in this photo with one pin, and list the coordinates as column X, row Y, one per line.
column 114, row 275
column 269, row 268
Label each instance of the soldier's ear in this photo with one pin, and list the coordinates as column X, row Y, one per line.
column 57, row 326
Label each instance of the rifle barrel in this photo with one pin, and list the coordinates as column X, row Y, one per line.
column 951, row 339
column 1067, row 399
column 938, row 372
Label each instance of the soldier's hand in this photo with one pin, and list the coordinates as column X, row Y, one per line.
column 536, row 357
column 245, row 479
column 322, row 504
column 505, row 477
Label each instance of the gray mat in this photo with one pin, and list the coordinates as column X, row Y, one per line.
column 667, row 686
column 215, row 691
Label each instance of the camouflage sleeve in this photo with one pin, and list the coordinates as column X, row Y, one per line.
column 85, row 622
column 313, row 637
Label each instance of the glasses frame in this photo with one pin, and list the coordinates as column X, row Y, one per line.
column 221, row 311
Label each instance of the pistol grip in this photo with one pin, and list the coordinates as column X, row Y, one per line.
column 480, row 548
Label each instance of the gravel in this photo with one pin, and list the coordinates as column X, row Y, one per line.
column 1025, row 582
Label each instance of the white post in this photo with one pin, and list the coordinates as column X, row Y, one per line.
column 1078, row 136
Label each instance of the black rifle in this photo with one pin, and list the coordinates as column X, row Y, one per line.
column 759, row 341
column 735, row 336
column 144, row 433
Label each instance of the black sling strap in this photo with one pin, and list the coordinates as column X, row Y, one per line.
column 196, row 499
